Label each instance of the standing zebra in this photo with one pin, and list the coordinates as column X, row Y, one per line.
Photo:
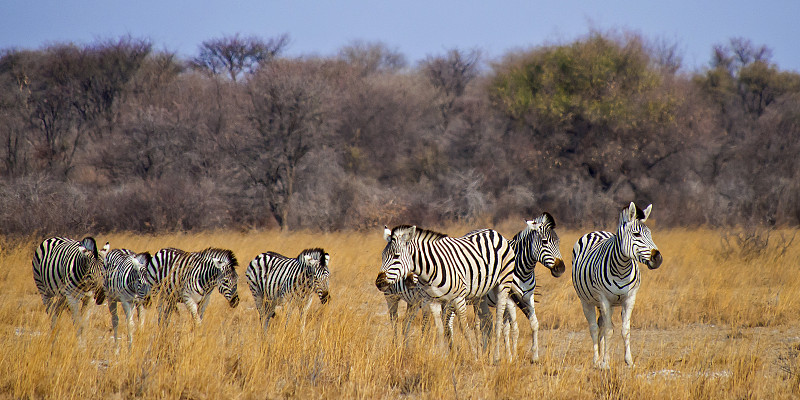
column 453, row 271
column 605, row 274
column 538, row 242
column 125, row 283
column 66, row 272
column 191, row 279
column 275, row 279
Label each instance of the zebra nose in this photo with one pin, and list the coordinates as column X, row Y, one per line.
column 558, row 268
column 381, row 282
column 324, row 297
column 655, row 259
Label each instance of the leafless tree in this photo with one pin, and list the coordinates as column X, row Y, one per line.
column 372, row 57
column 235, row 55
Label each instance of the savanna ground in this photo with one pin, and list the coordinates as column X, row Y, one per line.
column 719, row 319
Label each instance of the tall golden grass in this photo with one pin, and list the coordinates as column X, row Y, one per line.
column 710, row 323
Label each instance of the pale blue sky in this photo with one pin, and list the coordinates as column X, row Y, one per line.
column 414, row 27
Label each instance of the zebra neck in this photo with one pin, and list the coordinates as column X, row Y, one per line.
column 618, row 264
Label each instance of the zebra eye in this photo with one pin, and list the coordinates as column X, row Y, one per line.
column 636, row 234
column 545, row 241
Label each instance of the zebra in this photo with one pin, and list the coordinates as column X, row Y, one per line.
column 275, row 279
column 158, row 268
column 192, row 277
column 66, row 272
column 452, row 271
column 605, row 274
column 416, row 300
column 536, row 243
column 125, row 283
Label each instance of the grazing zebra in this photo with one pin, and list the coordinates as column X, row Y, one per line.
column 66, row 272
column 605, row 274
column 275, row 279
column 192, row 277
column 452, row 271
column 125, row 283
column 538, row 242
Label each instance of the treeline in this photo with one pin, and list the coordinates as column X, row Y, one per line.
column 116, row 135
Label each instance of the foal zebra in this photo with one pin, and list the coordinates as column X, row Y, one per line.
column 192, row 277
column 275, row 279
column 66, row 272
column 605, row 274
column 452, row 271
column 125, row 283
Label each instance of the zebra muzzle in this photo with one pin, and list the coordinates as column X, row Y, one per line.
column 324, row 297
column 558, row 268
column 382, row 283
column 655, row 260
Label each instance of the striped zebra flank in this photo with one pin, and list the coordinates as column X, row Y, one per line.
column 158, row 270
column 67, row 274
column 605, row 274
column 191, row 278
column 275, row 280
column 125, row 283
column 451, row 271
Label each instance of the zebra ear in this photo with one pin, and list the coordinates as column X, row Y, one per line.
column 533, row 225
column 387, row 234
column 307, row 258
column 104, row 252
column 647, row 212
column 630, row 213
column 143, row 259
column 327, row 259
column 548, row 219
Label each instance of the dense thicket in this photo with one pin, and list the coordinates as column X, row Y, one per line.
column 117, row 136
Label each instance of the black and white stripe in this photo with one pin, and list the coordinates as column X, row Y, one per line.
column 536, row 243
column 452, row 271
column 67, row 272
column 158, row 269
column 275, row 279
column 192, row 277
column 605, row 274
column 416, row 300
column 125, row 283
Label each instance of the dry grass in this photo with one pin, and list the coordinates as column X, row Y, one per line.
column 708, row 324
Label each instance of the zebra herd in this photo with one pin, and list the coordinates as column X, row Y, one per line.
column 432, row 272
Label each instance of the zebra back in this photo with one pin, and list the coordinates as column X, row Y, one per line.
column 67, row 267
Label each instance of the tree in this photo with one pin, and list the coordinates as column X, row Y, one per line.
column 235, row 55
column 372, row 57
column 287, row 119
column 450, row 75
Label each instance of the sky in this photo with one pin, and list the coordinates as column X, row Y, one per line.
column 416, row 28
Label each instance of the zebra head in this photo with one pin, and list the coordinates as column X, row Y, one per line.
column 635, row 236
column 97, row 266
column 316, row 262
column 396, row 260
column 543, row 244
column 227, row 263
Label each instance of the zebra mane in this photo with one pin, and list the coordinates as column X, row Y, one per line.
column 420, row 233
column 215, row 252
column 316, row 252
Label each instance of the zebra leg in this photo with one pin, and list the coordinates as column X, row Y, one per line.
column 502, row 299
column 192, row 306
column 590, row 312
column 140, row 313
column 449, row 313
column 511, row 324
column 436, row 314
column 112, row 308
column 483, row 322
column 627, row 308
column 126, row 307
column 203, row 304
column 75, row 308
column 269, row 312
column 304, row 312
column 460, row 306
column 411, row 314
column 606, row 330
column 54, row 308
column 391, row 304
